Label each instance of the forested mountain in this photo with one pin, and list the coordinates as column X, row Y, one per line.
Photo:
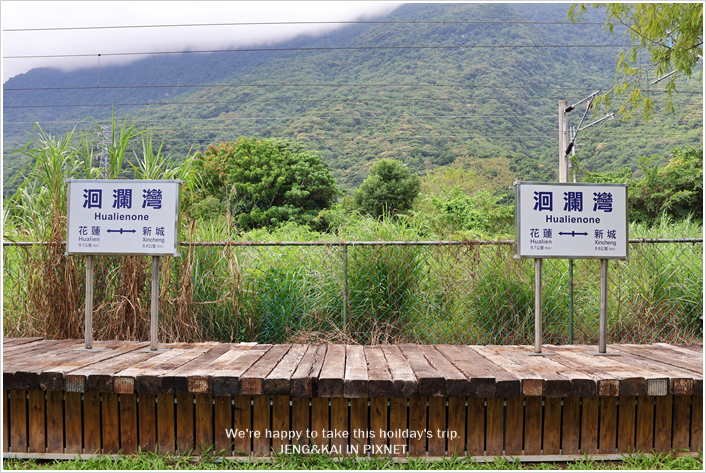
column 424, row 93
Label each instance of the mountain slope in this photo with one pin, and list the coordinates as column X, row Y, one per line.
column 425, row 93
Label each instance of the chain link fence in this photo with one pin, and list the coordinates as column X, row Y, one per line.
column 363, row 292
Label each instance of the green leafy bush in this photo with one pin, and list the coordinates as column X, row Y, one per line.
column 265, row 183
column 389, row 188
column 676, row 189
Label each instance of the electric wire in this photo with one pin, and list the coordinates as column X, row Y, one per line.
column 322, row 85
column 305, row 101
column 328, row 48
column 279, row 23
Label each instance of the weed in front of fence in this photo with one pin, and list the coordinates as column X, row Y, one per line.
column 373, row 292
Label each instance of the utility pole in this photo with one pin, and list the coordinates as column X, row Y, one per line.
column 563, row 141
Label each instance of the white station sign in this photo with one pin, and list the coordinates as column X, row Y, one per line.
column 561, row 220
column 123, row 217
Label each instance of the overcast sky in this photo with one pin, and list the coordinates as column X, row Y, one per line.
column 56, row 14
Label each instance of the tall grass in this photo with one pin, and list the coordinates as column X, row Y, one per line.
column 469, row 293
column 50, row 300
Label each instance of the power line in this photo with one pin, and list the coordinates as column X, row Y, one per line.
column 349, row 137
column 622, row 132
column 303, row 101
column 328, row 117
column 210, row 102
column 462, row 86
column 279, row 23
column 339, row 48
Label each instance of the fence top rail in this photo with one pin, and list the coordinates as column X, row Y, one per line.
column 365, row 243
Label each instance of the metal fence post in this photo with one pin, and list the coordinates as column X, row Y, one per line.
column 345, row 288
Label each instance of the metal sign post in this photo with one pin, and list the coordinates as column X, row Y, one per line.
column 538, row 308
column 154, row 332
column 88, row 324
column 567, row 221
column 538, row 305
column 603, row 315
column 123, row 217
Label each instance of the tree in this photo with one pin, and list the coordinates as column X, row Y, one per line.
column 265, row 183
column 672, row 33
column 389, row 188
column 676, row 189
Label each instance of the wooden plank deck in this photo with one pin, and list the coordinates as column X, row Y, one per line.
column 353, row 371
column 456, row 400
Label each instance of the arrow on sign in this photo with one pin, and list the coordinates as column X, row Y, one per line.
column 573, row 234
column 121, row 231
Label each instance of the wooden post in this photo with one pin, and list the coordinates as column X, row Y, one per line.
column 533, row 425
column 147, row 410
column 663, row 423
column 223, row 421
column 626, row 424
column 128, row 423
column 37, row 432
column 280, row 422
column 242, row 420
column 494, row 426
column 109, row 423
column 589, row 425
column 204, row 423
column 457, row 425
column 359, row 425
column 300, row 419
column 5, row 422
column 680, row 422
column 437, row 425
column 697, row 423
column 644, row 434
column 73, row 422
column 475, row 429
column 339, row 423
column 570, row 425
column 185, row 427
column 262, row 421
column 55, row 421
column 378, row 420
column 514, row 425
column 551, row 441
column 91, row 423
column 418, row 423
column 607, row 438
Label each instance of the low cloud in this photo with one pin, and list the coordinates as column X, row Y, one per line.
column 17, row 15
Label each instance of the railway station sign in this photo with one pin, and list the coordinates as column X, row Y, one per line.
column 564, row 220
column 127, row 217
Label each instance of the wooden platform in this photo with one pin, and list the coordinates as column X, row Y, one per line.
column 467, row 400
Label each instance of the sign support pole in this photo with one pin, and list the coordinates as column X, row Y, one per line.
column 154, row 332
column 603, row 323
column 538, row 305
column 88, row 325
column 603, row 316
column 538, row 308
